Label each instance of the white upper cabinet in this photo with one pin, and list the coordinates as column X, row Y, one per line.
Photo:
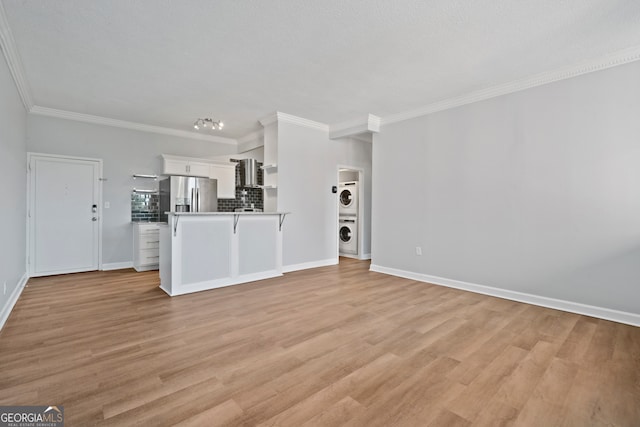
column 224, row 172
column 226, row 176
column 184, row 166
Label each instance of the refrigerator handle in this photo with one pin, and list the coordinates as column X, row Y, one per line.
column 194, row 205
column 198, row 198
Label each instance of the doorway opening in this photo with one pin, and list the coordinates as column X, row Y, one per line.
column 353, row 232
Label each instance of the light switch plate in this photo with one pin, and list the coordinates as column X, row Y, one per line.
column 107, row 205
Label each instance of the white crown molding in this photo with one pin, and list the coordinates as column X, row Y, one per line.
column 368, row 123
column 268, row 120
column 7, row 43
column 88, row 118
column 618, row 58
column 300, row 121
column 557, row 304
column 288, row 118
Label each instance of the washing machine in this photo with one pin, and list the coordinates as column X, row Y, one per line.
column 348, row 196
column 348, row 235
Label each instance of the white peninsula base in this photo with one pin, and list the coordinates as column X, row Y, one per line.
column 201, row 251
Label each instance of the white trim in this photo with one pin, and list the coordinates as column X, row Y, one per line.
column 618, row 58
column 13, row 299
column 8, row 45
column 57, row 272
column 289, row 118
column 365, row 257
column 373, row 122
column 307, row 265
column 301, row 121
column 557, row 304
column 360, row 216
column 214, row 284
column 117, row 266
column 88, row 118
column 366, row 124
column 31, row 202
column 268, row 120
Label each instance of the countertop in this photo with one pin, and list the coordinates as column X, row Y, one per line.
column 224, row 213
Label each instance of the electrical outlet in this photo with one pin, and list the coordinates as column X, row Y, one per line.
column 107, row 205
column 4, row 288
column 418, row 250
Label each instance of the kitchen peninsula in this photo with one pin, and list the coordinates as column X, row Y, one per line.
column 208, row 250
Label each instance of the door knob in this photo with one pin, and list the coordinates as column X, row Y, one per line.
column 94, row 219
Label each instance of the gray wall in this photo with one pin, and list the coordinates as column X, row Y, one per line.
column 536, row 191
column 124, row 152
column 307, row 169
column 13, row 184
column 349, row 175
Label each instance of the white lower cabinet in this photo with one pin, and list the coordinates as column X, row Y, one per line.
column 146, row 246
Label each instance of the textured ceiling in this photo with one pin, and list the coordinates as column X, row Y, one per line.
column 167, row 62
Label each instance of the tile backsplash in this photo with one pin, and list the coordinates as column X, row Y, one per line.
column 144, row 207
column 254, row 195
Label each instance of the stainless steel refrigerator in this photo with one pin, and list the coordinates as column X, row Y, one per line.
column 187, row 194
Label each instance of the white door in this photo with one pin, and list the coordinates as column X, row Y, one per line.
column 64, row 215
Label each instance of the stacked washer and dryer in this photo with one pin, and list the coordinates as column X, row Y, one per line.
column 348, row 218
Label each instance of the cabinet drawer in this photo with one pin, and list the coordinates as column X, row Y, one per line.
column 148, row 228
column 149, row 256
column 149, row 242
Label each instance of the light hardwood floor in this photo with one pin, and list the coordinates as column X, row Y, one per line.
column 330, row 346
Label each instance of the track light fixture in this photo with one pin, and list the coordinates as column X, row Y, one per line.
column 208, row 123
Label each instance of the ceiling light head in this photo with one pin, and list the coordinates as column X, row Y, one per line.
column 208, row 123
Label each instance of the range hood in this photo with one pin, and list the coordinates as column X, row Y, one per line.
column 249, row 173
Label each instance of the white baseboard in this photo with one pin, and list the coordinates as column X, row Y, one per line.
column 312, row 264
column 220, row 283
column 572, row 307
column 362, row 257
column 117, row 265
column 13, row 299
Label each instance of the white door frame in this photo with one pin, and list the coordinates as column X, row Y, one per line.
column 30, row 202
column 361, row 193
